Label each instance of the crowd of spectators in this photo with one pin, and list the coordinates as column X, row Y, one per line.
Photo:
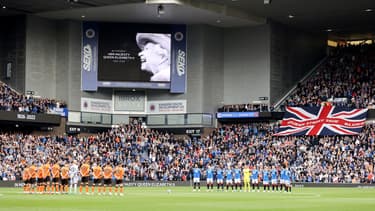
column 347, row 78
column 11, row 100
column 151, row 155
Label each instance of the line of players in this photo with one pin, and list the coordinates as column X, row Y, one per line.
column 279, row 180
column 37, row 178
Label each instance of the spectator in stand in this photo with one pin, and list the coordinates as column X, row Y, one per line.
column 10, row 100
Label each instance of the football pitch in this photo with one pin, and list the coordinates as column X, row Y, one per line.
column 183, row 199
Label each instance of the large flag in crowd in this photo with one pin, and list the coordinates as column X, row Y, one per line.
column 322, row 121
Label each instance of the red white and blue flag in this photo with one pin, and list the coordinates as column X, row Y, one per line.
column 322, row 121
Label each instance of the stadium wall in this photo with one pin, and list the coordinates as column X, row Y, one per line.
column 246, row 64
column 41, row 56
column 68, row 69
column 293, row 54
column 53, row 59
column 246, row 61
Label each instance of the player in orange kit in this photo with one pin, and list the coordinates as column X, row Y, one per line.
column 55, row 177
column 119, row 175
column 64, row 178
column 33, row 176
column 97, row 173
column 108, row 172
column 40, row 176
column 85, row 173
column 47, row 176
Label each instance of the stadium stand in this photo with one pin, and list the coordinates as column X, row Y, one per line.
column 151, row 155
column 11, row 100
column 346, row 79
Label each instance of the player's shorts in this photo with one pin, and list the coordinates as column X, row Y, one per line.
column 254, row 181
column 118, row 181
column 55, row 180
column 85, row 179
column 274, row 181
column 287, row 182
column 26, row 181
column 220, row 181
column 282, row 181
column 229, row 181
column 108, row 181
column 196, row 179
column 47, row 179
column 237, row 181
column 64, row 181
column 210, row 180
column 74, row 179
column 40, row 180
column 266, row 182
column 97, row 181
column 32, row 181
column 246, row 181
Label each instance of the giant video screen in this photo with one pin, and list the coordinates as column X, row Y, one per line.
column 128, row 55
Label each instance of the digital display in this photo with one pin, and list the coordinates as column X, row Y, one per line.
column 127, row 55
column 235, row 115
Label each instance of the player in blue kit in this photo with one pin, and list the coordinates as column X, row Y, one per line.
column 254, row 179
column 282, row 176
column 196, row 177
column 210, row 178
column 237, row 178
column 219, row 178
column 274, row 179
column 229, row 179
column 287, row 180
column 266, row 180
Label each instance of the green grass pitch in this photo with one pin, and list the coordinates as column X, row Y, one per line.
column 182, row 198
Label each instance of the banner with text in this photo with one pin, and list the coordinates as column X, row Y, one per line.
column 322, row 121
column 129, row 101
column 179, row 60
column 166, row 107
column 96, row 105
column 89, row 57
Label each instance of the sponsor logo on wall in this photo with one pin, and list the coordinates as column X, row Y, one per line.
column 166, row 107
column 96, row 105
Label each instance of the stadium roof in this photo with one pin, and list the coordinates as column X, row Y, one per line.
column 342, row 19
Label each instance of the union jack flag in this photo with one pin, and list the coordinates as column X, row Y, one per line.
column 322, row 121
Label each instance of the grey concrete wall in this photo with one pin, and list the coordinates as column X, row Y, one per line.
column 68, row 69
column 225, row 65
column 220, row 62
column 41, row 56
column 293, row 54
column 53, row 59
column 12, row 49
column 246, row 64
column 213, row 69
